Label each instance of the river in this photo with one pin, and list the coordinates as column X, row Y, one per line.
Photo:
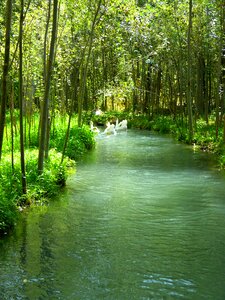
column 143, row 218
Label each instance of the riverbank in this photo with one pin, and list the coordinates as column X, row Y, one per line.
column 40, row 188
column 204, row 134
column 46, row 186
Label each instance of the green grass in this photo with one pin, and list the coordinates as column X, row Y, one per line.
column 40, row 188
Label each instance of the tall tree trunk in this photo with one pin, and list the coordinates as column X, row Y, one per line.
column 85, row 65
column 200, row 85
column 17, row 45
column 158, row 89
column 189, row 93
column 44, row 119
column 67, row 131
column 45, row 41
column 134, row 93
column 12, row 124
column 5, row 72
column 217, row 96
column 223, row 66
column 22, row 155
column 44, row 75
column 219, row 68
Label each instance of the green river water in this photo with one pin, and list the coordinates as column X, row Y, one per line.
column 143, row 218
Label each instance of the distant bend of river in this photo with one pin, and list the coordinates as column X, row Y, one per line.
column 143, row 218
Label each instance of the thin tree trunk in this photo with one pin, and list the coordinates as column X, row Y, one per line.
column 223, row 68
column 5, row 72
column 17, row 45
column 22, row 155
column 45, row 71
column 45, row 40
column 84, row 69
column 158, row 89
column 44, row 119
column 219, row 71
column 12, row 124
column 189, row 93
column 217, row 96
column 67, row 136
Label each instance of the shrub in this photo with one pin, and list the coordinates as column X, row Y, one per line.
column 81, row 139
column 162, row 124
column 53, row 177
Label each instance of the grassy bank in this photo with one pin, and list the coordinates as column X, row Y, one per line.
column 40, row 188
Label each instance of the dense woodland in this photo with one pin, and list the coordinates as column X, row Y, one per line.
column 61, row 59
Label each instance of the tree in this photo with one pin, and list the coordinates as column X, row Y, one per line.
column 45, row 109
column 21, row 102
column 5, row 71
column 85, row 62
column 189, row 92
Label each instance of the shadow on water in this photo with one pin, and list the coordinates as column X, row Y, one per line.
column 143, row 218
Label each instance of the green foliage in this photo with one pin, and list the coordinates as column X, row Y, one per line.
column 222, row 160
column 81, row 139
column 101, row 119
column 8, row 212
column 162, row 124
column 204, row 135
column 141, row 122
column 47, row 185
column 54, row 175
column 39, row 187
column 110, row 116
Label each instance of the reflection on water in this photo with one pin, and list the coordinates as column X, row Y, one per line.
column 143, row 218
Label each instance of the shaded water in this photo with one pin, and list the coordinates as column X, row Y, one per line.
column 143, row 218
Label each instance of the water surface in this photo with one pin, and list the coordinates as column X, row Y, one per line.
column 143, row 218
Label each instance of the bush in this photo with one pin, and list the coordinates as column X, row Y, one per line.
column 141, row 122
column 53, row 177
column 81, row 139
column 162, row 124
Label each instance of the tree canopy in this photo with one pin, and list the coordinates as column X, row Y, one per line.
column 142, row 56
